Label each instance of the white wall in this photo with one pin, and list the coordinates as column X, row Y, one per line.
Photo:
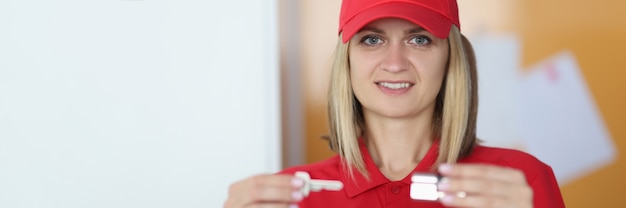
column 135, row 103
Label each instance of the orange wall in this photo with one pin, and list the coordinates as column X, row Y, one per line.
column 319, row 28
column 594, row 31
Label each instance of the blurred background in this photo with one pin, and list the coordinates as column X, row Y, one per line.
column 551, row 82
column 156, row 103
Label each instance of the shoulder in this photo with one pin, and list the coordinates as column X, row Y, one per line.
column 501, row 156
column 326, row 169
column 529, row 164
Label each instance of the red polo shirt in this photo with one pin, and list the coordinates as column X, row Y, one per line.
column 381, row 192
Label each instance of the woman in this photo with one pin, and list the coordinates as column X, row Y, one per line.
column 402, row 100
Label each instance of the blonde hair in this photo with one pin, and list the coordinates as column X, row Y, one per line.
column 454, row 121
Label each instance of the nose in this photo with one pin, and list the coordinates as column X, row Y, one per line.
column 395, row 58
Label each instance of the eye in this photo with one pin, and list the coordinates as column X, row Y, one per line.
column 420, row 40
column 371, row 40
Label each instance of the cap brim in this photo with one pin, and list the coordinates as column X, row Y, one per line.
column 432, row 21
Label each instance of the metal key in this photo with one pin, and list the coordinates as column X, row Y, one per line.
column 317, row 185
column 424, row 187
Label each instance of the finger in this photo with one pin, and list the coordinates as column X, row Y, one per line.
column 483, row 171
column 267, row 198
column 266, row 188
column 272, row 205
column 472, row 192
column 284, row 181
column 281, row 180
column 478, row 186
column 275, row 194
column 275, row 188
column 454, row 200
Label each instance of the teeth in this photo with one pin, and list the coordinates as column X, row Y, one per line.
column 394, row 86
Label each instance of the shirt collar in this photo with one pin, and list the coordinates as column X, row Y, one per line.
column 360, row 184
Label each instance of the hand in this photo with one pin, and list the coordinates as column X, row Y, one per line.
column 479, row 185
column 267, row 191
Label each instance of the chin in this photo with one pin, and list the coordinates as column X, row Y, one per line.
column 397, row 114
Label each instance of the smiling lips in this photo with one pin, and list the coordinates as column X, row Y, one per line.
column 395, row 86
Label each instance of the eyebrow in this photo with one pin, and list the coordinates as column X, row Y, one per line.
column 417, row 29
column 372, row 29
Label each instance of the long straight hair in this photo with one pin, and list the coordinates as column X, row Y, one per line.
column 454, row 119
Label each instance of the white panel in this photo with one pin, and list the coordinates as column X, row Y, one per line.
column 135, row 103
column 498, row 59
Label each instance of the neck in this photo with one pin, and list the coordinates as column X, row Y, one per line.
column 398, row 145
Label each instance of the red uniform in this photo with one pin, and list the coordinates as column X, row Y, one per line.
column 381, row 192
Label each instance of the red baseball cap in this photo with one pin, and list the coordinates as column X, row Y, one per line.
column 436, row 16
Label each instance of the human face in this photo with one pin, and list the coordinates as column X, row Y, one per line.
column 397, row 68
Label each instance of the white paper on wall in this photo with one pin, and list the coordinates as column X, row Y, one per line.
column 560, row 123
column 498, row 71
